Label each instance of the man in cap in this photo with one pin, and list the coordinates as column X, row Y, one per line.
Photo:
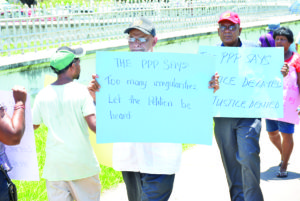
column 67, row 109
column 238, row 138
column 11, row 133
column 148, row 169
column 267, row 40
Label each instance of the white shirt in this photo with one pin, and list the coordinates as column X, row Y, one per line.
column 151, row 158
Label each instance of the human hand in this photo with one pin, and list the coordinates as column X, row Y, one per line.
column 94, row 86
column 214, row 82
column 285, row 69
column 19, row 94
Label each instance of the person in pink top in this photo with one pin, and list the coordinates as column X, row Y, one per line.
column 285, row 126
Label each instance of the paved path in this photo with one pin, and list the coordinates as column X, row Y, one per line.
column 201, row 176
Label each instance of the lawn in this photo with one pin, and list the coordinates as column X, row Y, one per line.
column 36, row 190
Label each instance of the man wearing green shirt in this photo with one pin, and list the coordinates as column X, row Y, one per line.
column 66, row 108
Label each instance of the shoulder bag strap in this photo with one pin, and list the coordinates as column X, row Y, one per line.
column 268, row 43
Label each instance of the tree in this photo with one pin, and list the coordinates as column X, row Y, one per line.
column 29, row 2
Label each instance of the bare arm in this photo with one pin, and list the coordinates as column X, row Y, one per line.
column 12, row 129
column 91, row 121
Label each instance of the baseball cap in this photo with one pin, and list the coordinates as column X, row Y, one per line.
column 64, row 56
column 273, row 26
column 230, row 16
column 144, row 25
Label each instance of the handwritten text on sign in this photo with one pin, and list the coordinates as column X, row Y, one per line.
column 154, row 97
column 250, row 81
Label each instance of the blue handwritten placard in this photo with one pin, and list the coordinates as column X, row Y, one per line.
column 251, row 84
column 154, row 97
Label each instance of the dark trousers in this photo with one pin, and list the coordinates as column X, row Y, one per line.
column 4, row 196
column 148, row 187
column 238, row 141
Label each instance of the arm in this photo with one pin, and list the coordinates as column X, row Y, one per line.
column 94, row 86
column 214, row 82
column 12, row 129
column 91, row 121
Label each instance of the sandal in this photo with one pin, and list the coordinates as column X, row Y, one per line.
column 282, row 174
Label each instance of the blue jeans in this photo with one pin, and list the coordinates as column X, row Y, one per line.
column 148, row 187
column 238, row 141
column 4, row 196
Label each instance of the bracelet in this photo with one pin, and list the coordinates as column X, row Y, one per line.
column 19, row 107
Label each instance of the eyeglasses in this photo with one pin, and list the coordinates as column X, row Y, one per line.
column 140, row 40
column 280, row 39
column 230, row 28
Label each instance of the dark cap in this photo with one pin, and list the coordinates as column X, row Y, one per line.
column 142, row 24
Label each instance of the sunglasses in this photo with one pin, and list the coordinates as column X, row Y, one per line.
column 230, row 28
column 140, row 40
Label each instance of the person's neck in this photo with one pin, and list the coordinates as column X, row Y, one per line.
column 62, row 79
column 287, row 54
column 237, row 43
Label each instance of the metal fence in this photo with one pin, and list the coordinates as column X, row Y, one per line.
column 26, row 30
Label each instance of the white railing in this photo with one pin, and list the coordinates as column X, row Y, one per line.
column 24, row 30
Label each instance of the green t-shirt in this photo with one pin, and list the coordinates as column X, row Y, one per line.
column 69, row 154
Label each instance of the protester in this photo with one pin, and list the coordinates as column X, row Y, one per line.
column 284, row 38
column 148, row 169
column 67, row 109
column 238, row 138
column 267, row 40
column 11, row 133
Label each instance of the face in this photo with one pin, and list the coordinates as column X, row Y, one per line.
column 76, row 66
column 142, row 42
column 229, row 33
column 282, row 41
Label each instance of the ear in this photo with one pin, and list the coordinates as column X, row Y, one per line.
column 154, row 41
column 240, row 31
column 72, row 67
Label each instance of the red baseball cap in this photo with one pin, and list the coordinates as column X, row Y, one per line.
column 230, row 16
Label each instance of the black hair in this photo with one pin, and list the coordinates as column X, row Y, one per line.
column 65, row 69
column 284, row 31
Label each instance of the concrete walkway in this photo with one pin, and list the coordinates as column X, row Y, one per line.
column 202, row 177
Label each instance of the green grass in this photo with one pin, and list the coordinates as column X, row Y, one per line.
column 186, row 146
column 36, row 190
